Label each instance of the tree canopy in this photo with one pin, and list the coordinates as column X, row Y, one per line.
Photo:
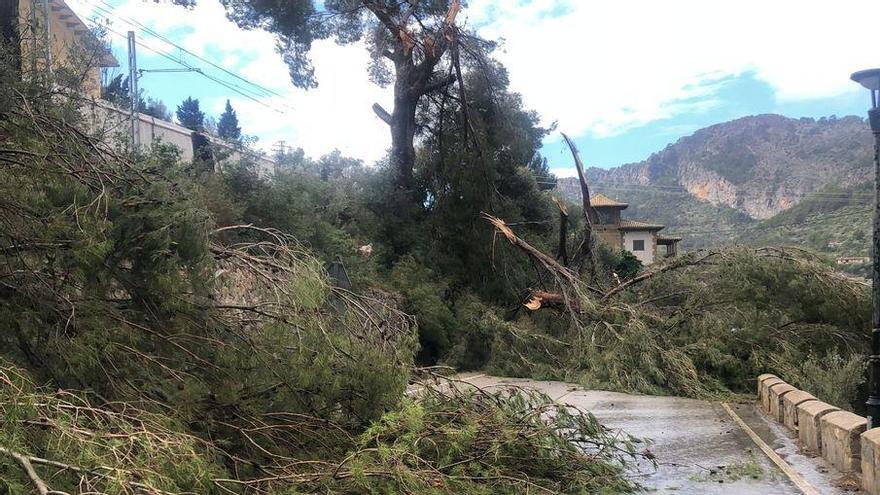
column 413, row 45
column 190, row 116
column 227, row 126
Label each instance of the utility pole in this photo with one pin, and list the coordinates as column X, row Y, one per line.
column 133, row 90
column 873, row 402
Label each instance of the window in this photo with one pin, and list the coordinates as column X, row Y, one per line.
column 638, row 245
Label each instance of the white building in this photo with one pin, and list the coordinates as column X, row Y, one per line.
column 640, row 238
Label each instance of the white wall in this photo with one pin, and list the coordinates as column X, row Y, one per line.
column 646, row 256
column 114, row 124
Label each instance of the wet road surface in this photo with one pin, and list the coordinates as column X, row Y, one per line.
column 699, row 448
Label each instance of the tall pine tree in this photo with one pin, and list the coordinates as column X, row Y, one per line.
column 190, row 116
column 228, row 128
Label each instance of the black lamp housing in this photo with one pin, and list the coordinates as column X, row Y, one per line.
column 870, row 79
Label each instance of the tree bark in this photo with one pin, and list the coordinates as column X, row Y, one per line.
column 412, row 81
column 403, row 131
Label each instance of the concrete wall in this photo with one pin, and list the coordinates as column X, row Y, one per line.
column 840, row 440
column 114, row 124
column 790, row 403
column 646, row 256
column 610, row 235
column 839, row 436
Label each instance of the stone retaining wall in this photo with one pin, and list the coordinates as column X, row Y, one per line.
column 839, row 436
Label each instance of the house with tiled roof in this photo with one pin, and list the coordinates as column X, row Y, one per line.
column 640, row 238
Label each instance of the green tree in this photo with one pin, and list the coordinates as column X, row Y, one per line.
column 190, row 116
column 541, row 170
column 116, row 90
column 412, row 45
column 156, row 108
column 227, row 127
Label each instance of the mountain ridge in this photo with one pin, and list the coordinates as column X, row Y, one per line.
column 740, row 173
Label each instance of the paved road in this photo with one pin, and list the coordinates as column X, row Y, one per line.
column 699, row 448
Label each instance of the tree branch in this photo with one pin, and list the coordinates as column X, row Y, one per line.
column 382, row 113
column 439, row 84
column 562, row 252
column 679, row 263
column 28, row 468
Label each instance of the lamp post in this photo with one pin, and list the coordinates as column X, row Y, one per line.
column 870, row 79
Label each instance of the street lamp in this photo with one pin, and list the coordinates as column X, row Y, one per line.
column 870, row 79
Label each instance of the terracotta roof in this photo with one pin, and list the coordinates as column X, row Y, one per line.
column 634, row 225
column 599, row 199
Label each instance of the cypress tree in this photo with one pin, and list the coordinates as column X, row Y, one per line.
column 228, row 128
column 190, row 116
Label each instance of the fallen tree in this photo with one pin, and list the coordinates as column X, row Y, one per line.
column 183, row 357
column 699, row 325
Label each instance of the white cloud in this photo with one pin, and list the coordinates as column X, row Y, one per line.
column 604, row 67
column 595, row 67
column 338, row 114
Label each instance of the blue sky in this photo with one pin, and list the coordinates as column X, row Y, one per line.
column 623, row 78
column 737, row 97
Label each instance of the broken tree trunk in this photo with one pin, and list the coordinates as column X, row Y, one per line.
column 414, row 78
column 569, row 280
column 540, row 299
column 586, row 248
column 562, row 251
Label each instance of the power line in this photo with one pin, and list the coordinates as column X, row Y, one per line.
column 814, row 198
column 111, row 11
column 226, row 84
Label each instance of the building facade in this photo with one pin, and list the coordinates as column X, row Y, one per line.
column 51, row 43
column 48, row 38
column 640, row 238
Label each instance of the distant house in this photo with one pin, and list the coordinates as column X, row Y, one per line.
column 49, row 36
column 640, row 238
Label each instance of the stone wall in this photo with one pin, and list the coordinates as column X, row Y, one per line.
column 840, row 437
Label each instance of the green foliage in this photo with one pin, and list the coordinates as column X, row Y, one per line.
column 481, row 443
column 117, row 91
column 704, row 325
column 836, row 221
column 190, row 116
column 232, row 332
column 836, row 379
column 619, row 262
column 423, row 292
column 227, row 126
column 105, row 450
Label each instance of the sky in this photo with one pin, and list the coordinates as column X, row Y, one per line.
column 624, row 78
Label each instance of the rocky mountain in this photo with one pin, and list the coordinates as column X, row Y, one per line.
column 730, row 179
